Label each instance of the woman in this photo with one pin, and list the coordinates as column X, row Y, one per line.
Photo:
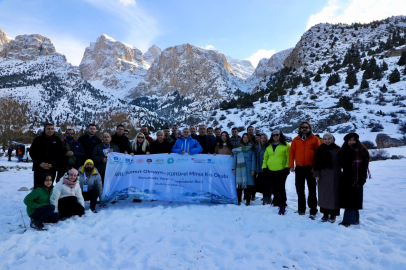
column 140, row 145
column 244, row 166
column 224, row 145
column 39, row 207
column 260, row 180
column 177, row 135
column 67, row 196
column 354, row 160
column 276, row 168
column 327, row 172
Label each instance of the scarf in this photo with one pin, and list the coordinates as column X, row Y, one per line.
column 241, row 169
column 355, row 165
column 48, row 188
column 323, row 158
column 69, row 183
column 70, row 141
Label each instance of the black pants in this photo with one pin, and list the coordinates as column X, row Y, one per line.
column 38, row 174
column 332, row 212
column 278, row 180
column 69, row 206
column 304, row 173
column 45, row 214
column 267, row 187
column 259, row 183
column 248, row 191
column 9, row 157
column 91, row 195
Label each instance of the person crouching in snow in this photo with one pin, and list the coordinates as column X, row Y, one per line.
column 39, row 207
column 67, row 196
column 91, row 184
column 186, row 144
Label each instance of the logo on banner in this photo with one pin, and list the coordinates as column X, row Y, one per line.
column 129, row 160
column 140, row 160
column 212, row 161
column 117, row 160
column 182, row 160
column 224, row 161
column 171, row 160
column 149, row 160
column 159, row 161
column 199, row 160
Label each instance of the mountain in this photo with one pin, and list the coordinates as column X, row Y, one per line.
column 27, row 47
column 4, row 38
column 152, row 53
column 241, row 68
column 269, row 66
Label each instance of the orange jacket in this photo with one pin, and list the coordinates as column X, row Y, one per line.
column 302, row 151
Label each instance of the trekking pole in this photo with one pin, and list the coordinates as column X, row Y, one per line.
column 23, row 219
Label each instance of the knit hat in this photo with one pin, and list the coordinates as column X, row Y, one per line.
column 351, row 135
column 73, row 171
column 87, row 161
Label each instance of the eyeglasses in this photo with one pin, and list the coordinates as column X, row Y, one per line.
column 275, row 135
column 125, row 133
column 48, row 180
column 70, row 133
column 304, row 127
column 140, row 137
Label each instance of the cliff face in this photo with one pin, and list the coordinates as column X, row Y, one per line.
column 152, row 53
column 26, row 47
column 4, row 39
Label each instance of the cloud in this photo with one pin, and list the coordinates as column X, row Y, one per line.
column 363, row 11
column 254, row 59
column 209, row 47
column 127, row 2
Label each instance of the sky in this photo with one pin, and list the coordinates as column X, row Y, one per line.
column 249, row 30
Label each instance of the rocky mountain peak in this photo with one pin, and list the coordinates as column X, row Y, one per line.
column 241, row 68
column 27, row 47
column 152, row 53
column 269, row 66
column 4, row 38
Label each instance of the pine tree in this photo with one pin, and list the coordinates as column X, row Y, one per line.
column 377, row 73
column 368, row 74
column 384, row 66
column 365, row 65
column 306, row 81
column 327, row 69
column 404, row 71
column 273, row 96
column 317, row 78
column 351, row 79
column 333, row 79
column 372, row 63
column 402, row 60
column 383, row 89
column 394, row 77
column 364, row 84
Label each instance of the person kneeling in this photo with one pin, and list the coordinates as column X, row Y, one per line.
column 39, row 207
column 91, row 184
column 67, row 196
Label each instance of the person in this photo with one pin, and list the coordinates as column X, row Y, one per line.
column 120, row 140
column 10, row 151
column 167, row 136
column 217, row 133
column 144, row 129
column 140, row 145
column 126, row 133
column 210, row 132
column 235, row 138
column 276, row 168
column 39, row 207
column 224, row 145
column 91, row 184
column 321, row 139
column 206, row 142
column 20, row 153
column 261, row 183
column 46, row 152
column 174, row 129
column 67, row 196
column 302, row 152
column 251, row 133
column 177, row 135
column 100, row 153
column 354, row 160
column 72, row 152
column 193, row 132
column 160, row 146
column 244, row 166
column 187, row 144
column 89, row 141
column 327, row 172
column 257, row 138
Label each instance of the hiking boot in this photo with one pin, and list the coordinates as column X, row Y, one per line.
column 39, row 226
column 344, row 224
column 94, row 211
column 332, row 219
column 312, row 216
column 281, row 210
column 324, row 218
column 300, row 213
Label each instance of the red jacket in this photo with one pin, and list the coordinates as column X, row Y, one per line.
column 302, row 151
column 149, row 139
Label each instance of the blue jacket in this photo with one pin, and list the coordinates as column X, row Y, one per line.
column 187, row 144
column 78, row 152
column 251, row 164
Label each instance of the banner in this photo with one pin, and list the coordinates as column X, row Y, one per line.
column 170, row 177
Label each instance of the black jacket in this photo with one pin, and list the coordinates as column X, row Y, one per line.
column 210, row 144
column 98, row 157
column 122, row 142
column 140, row 152
column 88, row 143
column 44, row 149
column 160, row 148
column 78, row 152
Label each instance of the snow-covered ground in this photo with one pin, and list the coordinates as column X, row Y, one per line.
column 162, row 235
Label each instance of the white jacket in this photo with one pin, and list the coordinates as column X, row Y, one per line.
column 61, row 191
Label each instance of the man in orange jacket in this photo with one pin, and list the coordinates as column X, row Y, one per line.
column 302, row 151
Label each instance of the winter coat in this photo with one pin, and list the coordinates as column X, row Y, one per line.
column 350, row 195
column 89, row 143
column 10, row 151
column 277, row 160
column 37, row 198
column 160, row 148
column 122, row 142
column 224, row 150
column 139, row 149
column 149, row 139
column 329, row 178
column 251, row 164
column 210, row 143
column 187, row 144
column 61, row 191
column 94, row 180
column 302, row 151
column 47, row 150
column 78, row 152
column 260, row 157
column 236, row 142
column 98, row 156
column 169, row 140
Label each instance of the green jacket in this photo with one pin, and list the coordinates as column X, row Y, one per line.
column 276, row 160
column 37, row 198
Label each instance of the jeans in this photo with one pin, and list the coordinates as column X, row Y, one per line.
column 45, row 214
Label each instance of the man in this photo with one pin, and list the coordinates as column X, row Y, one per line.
column 46, row 152
column 126, row 133
column 217, row 132
column 206, row 142
column 251, row 133
column 193, row 132
column 210, row 132
column 144, row 129
column 89, row 141
column 167, row 135
column 174, row 129
column 10, row 151
column 120, row 140
column 302, row 151
column 72, row 153
column 20, row 153
column 235, row 138
column 187, row 144
column 90, row 184
column 100, row 153
column 160, row 146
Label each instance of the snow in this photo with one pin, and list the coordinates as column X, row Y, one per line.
column 161, row 235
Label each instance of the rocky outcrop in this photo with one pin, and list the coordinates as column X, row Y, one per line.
column 269, row 66
column 384, row 141
column 4, row 39
column 241, row 68
column 152, row 53
column 27, row 47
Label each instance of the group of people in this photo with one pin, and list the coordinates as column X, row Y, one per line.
column 20, row 151
column 260, row 164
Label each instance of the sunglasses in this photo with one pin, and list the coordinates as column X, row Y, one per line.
column 125, row 133
column 275, row 135
column 70, row 133
column 140, row 137
column 304, row 127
